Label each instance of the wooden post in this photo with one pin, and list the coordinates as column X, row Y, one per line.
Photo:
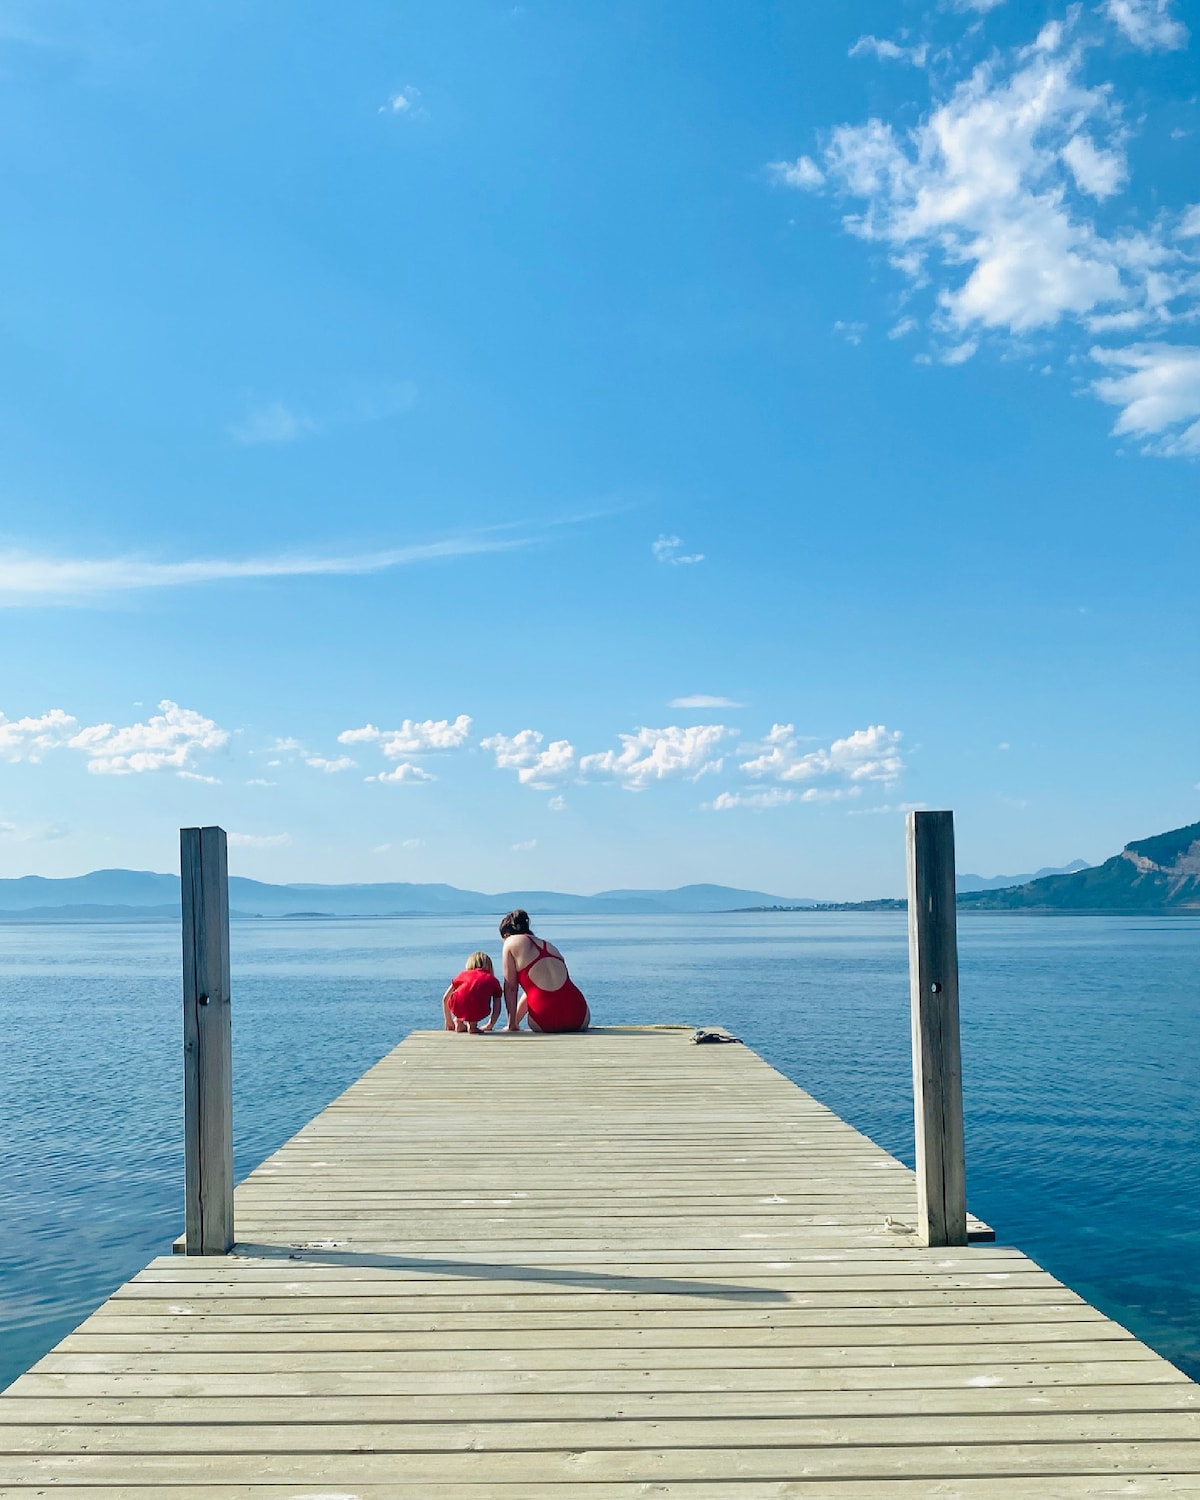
column 207, row 1044
column 937, row 1060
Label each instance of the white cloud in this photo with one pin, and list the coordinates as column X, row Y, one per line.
column 905, row 326
column 703, row 700
column 776, row 796
column 523, row 753
column 319, row 763
column 650, row 755
column 27, row 579
column 1158, row 391
column 873, row 46
column 666, row 550
column 887, row 807
column 979, row 185
column 287, row 746
column 29, row 738
column 414, row 736
column 525, row 845
column 557, row 804
column 981, row 6
column 275, row 422
column 169, row 740
column 261, row 781
column 1148, row 24
column 851, row 332
column 988, row 206
column 1100, row 173
column 258, row 840
column 196, row 776
column 802, row 173
column 404, row 772
column 871, row 754
column 958, row 354
column 405, row 101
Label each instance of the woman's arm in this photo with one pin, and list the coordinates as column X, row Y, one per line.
column 496, row 998
column 449, row 1024
column 510, row 985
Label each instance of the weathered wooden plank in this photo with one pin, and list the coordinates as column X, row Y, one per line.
column 1065, row 1487
column 367, row 1372
column 207, row 1042
column 1028, row 1461
column 139, row 1407
column 937, row 1063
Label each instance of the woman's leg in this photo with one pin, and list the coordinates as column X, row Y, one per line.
column 587, row 1017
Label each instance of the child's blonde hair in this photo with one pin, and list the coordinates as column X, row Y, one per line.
column 480, row 961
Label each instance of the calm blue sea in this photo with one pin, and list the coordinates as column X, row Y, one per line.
column 1081, row 1042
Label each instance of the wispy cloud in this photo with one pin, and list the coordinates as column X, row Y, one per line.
column 703, row 700
column 278, row 422
column 667, row 550
column 273, row 423
column 778, row 796
column 880, row 47
column 801, row 173
column 28, row 578
column 405, row 102
column 1158, row 388
column 258, row 840
column 330, row 767
column 1148, row 24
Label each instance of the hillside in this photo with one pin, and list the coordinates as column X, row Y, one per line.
column 131, row 895
column 1161, row 873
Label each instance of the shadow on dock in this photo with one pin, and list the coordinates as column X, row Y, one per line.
column 476, row 1270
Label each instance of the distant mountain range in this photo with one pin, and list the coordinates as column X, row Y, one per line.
column 1155, row 874
column 134, row 895
column 1002, row 882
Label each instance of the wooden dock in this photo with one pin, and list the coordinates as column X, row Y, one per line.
column 607, row 1265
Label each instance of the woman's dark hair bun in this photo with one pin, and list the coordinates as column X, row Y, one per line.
column 516, row 922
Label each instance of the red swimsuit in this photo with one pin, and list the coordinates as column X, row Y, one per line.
column 563, row 1009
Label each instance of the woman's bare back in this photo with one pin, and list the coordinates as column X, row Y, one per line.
column 547, row 970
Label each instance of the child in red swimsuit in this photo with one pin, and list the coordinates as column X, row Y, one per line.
column 471, row 995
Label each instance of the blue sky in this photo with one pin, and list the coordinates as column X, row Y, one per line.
column 576, row 446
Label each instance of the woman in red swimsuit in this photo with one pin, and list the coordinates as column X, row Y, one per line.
column 551, row 1001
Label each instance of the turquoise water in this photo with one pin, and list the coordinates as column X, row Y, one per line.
column 1081, row 1056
